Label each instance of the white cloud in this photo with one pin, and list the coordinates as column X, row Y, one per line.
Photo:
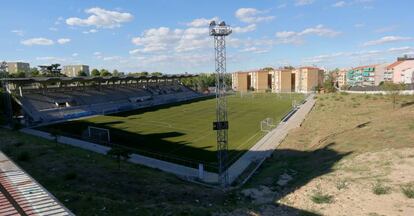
column 201, row 22
column 75, row 54
column 292, row 37
column 53, row 29
column 359, row 25
column 245, row 29
column 37, row 41
column 91, row 31
column 401, row 50
column 387, row 39
column 252, row 15
column 386, row 29
column 101, row 18
column 303, row 2
column 282, row 6
column 254, row 49
column 339, row 4
column 166, row 39
column 112, row 58
column 51, row 59
column 18, row 32
column 63, row 40
column 97, row 53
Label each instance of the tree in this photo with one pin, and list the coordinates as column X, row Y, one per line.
column 52, row 70
column 328, row 84
column 115, row 73
column 95, row 72
column 3, row 69
column 82, row 74
column 34, row 72
column 267, row 69
column 20, row 74
column 119, row 154
column 156, row 74
column 105, row 73
column 393, row 90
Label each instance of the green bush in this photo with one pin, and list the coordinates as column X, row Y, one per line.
column 23, row 156
column 380, row 189
column 70, row 176
column 408, row 190
column 318, row 197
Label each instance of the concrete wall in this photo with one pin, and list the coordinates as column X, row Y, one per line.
column 261, row 81
column 176, row 169
column 239, row 81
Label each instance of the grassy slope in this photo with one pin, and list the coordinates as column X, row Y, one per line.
column 331, row 133
column 91, row 184
column 100, row 189
column 185, row 130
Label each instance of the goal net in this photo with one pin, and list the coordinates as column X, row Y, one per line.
column 99, row 134
column 267, row 125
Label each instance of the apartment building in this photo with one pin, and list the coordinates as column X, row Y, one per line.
column 341, row 78
column 256, row 80
column 307, row 78
column 282, row 80
column 303, row 79
column 239, row 81
column 400, row 71
column 369, row 75
column 73, row 70
column 18, row 67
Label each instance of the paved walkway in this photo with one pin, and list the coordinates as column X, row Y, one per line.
column 270, row 141
column 22, row 195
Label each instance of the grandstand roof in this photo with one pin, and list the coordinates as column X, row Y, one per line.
column 90, row 79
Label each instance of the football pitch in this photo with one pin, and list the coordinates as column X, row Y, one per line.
column 182, row 132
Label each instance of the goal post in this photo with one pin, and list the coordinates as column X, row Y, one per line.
column 267, row 125
column 99, row 134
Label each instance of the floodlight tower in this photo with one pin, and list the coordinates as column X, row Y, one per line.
column 219, row 32
column 8, row 111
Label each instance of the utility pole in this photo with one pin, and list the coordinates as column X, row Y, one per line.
column 221, row 125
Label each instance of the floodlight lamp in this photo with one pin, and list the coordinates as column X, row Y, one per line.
column 212, row 23
column 222, row 23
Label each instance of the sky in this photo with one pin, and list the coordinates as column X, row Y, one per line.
column 171, row 36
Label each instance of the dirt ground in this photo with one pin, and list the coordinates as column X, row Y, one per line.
column 351, row 156
column 351, row 186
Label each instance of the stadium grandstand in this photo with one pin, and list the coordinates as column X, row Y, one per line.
column 50, row 99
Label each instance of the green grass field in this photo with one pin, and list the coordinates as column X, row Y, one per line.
column 184, row 130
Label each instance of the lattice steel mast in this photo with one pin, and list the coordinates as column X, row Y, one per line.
column 8, row 111
column 219, row 32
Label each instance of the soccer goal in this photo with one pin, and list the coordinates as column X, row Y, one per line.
column 267, row 125
column 99, row 134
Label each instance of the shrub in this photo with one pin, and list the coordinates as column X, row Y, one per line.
column 341, row 184
column 70, row 176
column 318, row 197
column 23, row 156
column 408, row 190
column 380, row 189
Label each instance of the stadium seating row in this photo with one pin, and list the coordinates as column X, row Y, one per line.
column 45, row 105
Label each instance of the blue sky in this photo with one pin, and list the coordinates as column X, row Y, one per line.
column 171, row 35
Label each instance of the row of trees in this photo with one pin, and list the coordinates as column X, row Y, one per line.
column 204, row 80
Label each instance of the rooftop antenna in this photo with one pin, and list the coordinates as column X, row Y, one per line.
column 221, row 125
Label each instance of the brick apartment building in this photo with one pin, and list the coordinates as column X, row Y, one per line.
column 303, row 79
